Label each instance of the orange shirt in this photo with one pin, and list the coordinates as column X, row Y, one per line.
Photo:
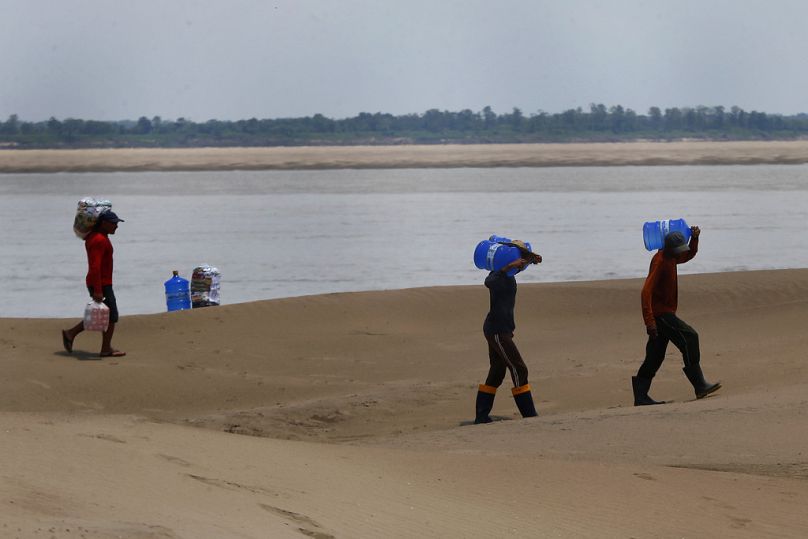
column 660, row 293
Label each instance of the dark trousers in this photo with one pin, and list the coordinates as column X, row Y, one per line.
column 503, row 355
column 669, row 329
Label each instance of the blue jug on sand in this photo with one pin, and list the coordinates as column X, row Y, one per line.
column 178, row 293
column 654, row 232
column 493, row 255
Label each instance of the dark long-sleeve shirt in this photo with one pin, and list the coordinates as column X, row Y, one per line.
column 502, row 293
column 99, row 261
column 660, row 294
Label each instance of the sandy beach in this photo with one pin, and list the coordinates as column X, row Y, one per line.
column 346, row 415
column 407, row 156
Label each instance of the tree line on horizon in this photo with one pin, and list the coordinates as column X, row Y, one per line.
column 598, row 124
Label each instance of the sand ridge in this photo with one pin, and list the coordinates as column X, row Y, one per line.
column 346, row 415
column 407, row 156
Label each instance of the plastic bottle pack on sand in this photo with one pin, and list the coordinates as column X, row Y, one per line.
column 205, row 286
column 87, row 214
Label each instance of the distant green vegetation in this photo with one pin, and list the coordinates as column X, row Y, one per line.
column 598, row 124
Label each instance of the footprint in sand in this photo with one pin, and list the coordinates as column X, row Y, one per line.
column 299, row 519
column 105, row 437
column 647, row 477
column 175, row 460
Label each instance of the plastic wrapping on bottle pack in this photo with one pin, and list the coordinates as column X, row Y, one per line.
column 96, row 316
column 205, row 286
column 87, row 214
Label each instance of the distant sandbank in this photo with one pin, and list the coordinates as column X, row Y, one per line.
column 407, row 156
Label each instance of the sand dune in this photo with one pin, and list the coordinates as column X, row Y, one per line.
column 408, row 156
column 345, row 415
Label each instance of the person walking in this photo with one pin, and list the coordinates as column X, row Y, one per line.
column 498, row 330
column 660, row 296
column 99, row 282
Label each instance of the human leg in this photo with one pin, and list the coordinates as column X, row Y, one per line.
column 487, row 392
column 484, row 404
column 509, row 354
column 68, row 335
column 522, row 395
column 106, row 338
column 654, row 356
column 497, row 367
column 686, row 339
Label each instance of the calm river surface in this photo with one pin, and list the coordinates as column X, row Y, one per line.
column 290, row 233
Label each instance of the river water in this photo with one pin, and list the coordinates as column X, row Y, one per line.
column 290, row 233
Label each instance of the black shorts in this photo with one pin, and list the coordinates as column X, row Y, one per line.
column 109, row 301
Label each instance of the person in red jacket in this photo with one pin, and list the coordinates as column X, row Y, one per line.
column 99, row 281
column 660, row 297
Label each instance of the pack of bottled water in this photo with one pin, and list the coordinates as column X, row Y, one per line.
column 96, row 317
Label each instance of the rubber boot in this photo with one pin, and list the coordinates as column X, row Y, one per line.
column 524, row 400
column 640, row 386
column 700, row 385
column 485, row 401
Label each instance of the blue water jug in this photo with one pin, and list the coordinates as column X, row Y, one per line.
column 502, row 239
column 654, row 232
column 492, row 254
column 178, row 293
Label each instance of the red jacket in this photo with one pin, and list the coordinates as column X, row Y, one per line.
column 660, row 294
column 99, row 260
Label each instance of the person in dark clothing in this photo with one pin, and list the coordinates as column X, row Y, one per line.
column 660, row 296
column 498, row 330
column 99, row 282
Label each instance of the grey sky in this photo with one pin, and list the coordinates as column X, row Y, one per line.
column 234, row 59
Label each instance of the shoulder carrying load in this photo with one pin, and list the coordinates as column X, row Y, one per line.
column 205, row 286
column 87, row 214
column 497, row 252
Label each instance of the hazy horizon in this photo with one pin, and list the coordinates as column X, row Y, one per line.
column 508, row 110
column 203, row 60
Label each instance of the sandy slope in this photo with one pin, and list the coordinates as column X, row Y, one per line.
column 357, row 405
column 408, row 156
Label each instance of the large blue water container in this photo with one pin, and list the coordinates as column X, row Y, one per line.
column 493, row 254
column 503, row 239
column 654, row 232
column 178, row 293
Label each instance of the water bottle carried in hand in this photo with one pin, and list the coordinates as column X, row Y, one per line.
column 654, row 232
column 96, row 317
column 178, row 293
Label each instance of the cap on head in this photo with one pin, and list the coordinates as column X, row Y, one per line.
column 110, row 216
column 675, row 243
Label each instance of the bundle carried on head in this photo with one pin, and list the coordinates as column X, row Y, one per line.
column 87, row 213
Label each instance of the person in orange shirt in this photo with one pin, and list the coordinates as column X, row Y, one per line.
column 660, row 297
